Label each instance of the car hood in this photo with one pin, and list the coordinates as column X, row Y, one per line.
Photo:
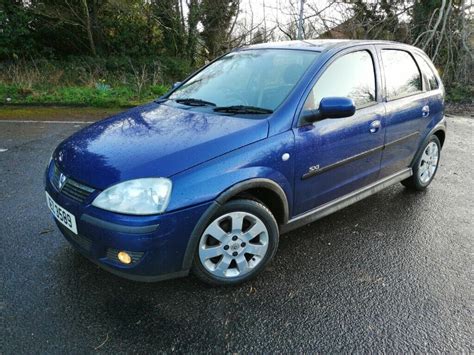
column 154, row 140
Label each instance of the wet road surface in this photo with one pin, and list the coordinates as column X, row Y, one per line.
column 390, row 273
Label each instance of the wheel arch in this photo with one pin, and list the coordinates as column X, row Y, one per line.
column 441, row 134
column 257, row 188
column 439, row 131
column 264, row 190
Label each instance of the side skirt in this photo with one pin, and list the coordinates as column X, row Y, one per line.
column 344, row 201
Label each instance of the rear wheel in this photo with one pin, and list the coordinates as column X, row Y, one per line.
column 425, row 166
column 237, row 244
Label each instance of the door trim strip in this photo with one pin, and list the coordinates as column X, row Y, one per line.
column 362, row 155
column 344, row 201
column 402, row 139
column 312, row 173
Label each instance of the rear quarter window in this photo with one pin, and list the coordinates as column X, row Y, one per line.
column 402, row 76
column 431, row 83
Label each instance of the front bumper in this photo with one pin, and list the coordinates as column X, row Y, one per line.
column 157, row 244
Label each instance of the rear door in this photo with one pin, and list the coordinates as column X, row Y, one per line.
column 432, row 86
column 407, row 108
column 337, row 156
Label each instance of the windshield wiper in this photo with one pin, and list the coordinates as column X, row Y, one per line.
column 243, row 109
column 194, row 102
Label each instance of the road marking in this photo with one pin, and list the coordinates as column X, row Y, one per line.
column 31, row 121
column 3, row 150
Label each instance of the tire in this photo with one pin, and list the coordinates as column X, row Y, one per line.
column 425, row 165
column 227, row 254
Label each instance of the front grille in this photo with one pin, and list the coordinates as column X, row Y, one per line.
column 135, row 255
column 76, row 191
column 71, row 188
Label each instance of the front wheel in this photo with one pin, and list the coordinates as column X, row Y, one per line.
column 239, row 241
column 425, row 165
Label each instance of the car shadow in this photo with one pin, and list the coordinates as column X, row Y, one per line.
column 314, row 264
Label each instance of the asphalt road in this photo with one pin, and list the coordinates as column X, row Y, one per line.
column 391, row 273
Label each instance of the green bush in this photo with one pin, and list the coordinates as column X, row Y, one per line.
column 99, row 82
column 77, row 96
column 159, row 90
column 460, row 94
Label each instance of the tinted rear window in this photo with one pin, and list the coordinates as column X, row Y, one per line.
column 402, row 77
column 429, row 76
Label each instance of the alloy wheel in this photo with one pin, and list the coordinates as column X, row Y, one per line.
column 233, row 244
column 428, row 163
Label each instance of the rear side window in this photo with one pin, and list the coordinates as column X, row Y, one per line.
column 402, row 77
column 431, row 82
column 351, row 75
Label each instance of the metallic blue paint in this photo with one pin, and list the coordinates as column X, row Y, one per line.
column 164, row 248
column 207, row 154
column 336, row 107
column 152, row 140
column 323, row 144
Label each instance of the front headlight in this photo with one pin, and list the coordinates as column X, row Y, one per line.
column 141, row 197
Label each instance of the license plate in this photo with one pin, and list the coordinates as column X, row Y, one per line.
column 66, row 218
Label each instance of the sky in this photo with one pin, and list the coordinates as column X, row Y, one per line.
column 270, row 13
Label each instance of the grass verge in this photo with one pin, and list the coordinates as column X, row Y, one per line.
column 55, row 113
column 78, row 96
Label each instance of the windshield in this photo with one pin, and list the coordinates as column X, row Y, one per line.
column 257, row 78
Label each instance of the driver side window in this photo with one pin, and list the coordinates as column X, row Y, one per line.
column 351, row 75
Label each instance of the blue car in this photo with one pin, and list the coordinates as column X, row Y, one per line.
column 262, row 140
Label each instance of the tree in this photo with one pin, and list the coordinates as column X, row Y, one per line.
column 16, row 35
column 170, row 17
column 194, row 15
column 440, row 28
column 127, row 27
column 77, row 14
column 217, row 18
column 258, row 37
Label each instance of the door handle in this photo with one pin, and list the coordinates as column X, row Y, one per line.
column 375, row 126
column 425, row 111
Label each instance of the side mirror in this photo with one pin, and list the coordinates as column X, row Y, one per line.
column 176, row 84
column 330, row 107
column 310, row 116
column 336, row 107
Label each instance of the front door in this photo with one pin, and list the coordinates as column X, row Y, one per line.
column 338, row 156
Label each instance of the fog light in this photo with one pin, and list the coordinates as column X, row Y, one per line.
column 124, row 257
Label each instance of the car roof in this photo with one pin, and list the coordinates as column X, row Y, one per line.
column 318, row 45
